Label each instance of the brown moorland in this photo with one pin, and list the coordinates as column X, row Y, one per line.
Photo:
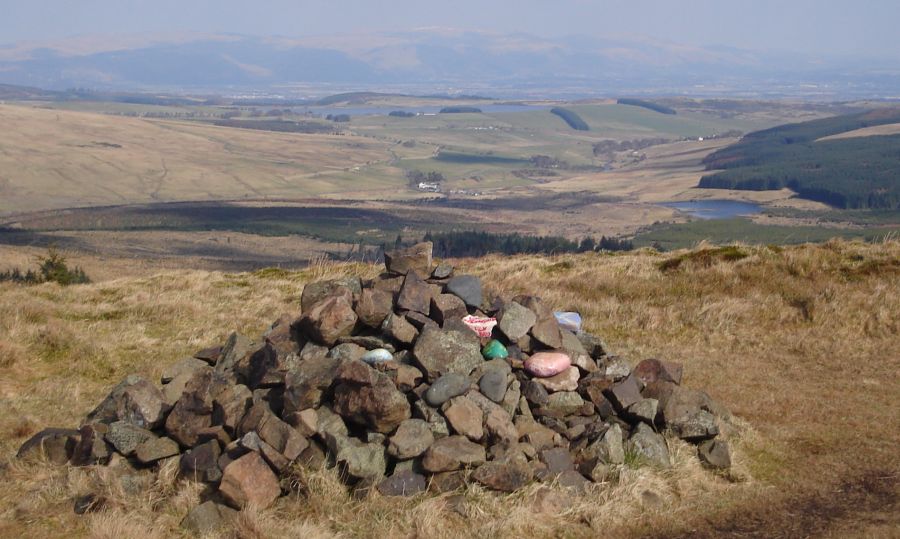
column 801, row 343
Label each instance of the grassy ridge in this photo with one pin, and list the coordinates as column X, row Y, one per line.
column 854, row 173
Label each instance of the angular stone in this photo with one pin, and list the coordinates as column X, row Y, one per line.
column 436, row 422
column 216, row 433
column 210, row 355
column 363, row 461
column 230, row 405
column 330, row 319
column 500, row 428
column 56, row 445
column 305, row 421
column 202, row 463
column 515, row 321
column 175, row 388
column 644, row 410
column 694, row 426
column 547, row 364
column 379, row 405
column 374, row 306
column 237, row 350
column 249, row 481
column 563, row 403
column 408, row 377
column 284, row 335
column 446, row 387
column 609, row 447
column 305, row 387
column 207, row 518
column 417, row 257
column 649, row 446
column 413, row 437
column 493, row 385
column 593, row 344
column 125, row 437
column 624, row 393
column 442, row 271
column 573, row 481
column 399, row 329
column 452, row 453
column 155, row 449
column 567, row 380
column 441, row 351
column 415, row 295
column 714, row 454
column 184, row 366
column 445, row 307
column 535, row 393
column 615, row 368
column 403, row 483
column 369, row 342
column 316, row 292
column 465, row 418
column 466, row 288
column 135, row 400
column 388, row 283
column 284, row 438
column 558, row 460
column 651, row 370
column 505, row 477
column 347, row 352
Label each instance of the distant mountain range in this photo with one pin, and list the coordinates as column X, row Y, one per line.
column 436, row 59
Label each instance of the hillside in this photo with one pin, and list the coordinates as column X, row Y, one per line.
column 57, row 159
column 800, row 343
column 847, row 173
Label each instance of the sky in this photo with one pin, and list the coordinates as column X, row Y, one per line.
column 832, row 27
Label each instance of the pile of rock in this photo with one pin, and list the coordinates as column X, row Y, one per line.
column 390, row 381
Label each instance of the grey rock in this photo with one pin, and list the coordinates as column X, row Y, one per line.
column 135, row 400
column 535, row 393
column 442, row 271
column 593, row 344
column 467, row 288
column 446, row 387
column 694, row 426
column 649, row 446
column 155, row 449
column 644, row 410
column 515, row 321
column 624, row 393
column 436, row 422
column 347, row 352
column 714, row 454
column 441, row 351
column 403, row 483
column 202, row 463
column 126, row 437
column 413, row 437
column 493, row 385
column 563, row 403
column 183, row 366
column 362, row 461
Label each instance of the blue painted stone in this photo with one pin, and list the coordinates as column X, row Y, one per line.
column 494, row 350
column 378, row 355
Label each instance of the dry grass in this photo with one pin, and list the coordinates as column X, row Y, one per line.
column 801, row 344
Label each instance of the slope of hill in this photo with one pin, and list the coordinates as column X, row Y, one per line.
column 58, row 159
column 799, row 343
column 849, row 173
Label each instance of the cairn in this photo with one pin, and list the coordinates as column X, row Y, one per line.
column 415, row 380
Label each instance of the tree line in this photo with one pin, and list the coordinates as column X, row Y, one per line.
column 476, row 244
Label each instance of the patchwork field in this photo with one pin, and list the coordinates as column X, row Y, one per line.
column 800, row 343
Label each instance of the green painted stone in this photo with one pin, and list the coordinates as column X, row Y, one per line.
column 494, row 350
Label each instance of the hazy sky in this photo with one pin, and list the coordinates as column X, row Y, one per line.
column 868, row 27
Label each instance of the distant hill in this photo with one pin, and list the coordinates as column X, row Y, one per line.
column 429, row 60
column 849, row 173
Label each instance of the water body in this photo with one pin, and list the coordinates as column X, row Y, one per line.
column 384, row 111
column 715, row 209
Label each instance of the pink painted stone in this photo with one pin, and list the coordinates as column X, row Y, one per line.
column 547, row 364
column 482, row 326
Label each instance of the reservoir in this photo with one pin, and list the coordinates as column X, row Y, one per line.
column 715, row 209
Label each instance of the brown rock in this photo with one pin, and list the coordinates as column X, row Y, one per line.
column 651, row 370
column 230, row 405
column 417, row 257
column 500, row 427
column 134, row 400
column 465, row 417
column 91, row 448
column 379, row 404
column 447, row 306
column 564, row 381
column 330, row 319
column 316, row 292
column 441, row 351
column 399, row 329
column 412, row 438
column 452, row 453
column 156, row 449
column 275, row 432
column 305, row 387
column 415, row 295
column 408, row 377
column 374, row 306
column 503, row 476
column 249, row 481
column 202, row 463
column 624, row 393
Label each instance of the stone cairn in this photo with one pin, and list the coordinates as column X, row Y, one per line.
column 409, row 382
